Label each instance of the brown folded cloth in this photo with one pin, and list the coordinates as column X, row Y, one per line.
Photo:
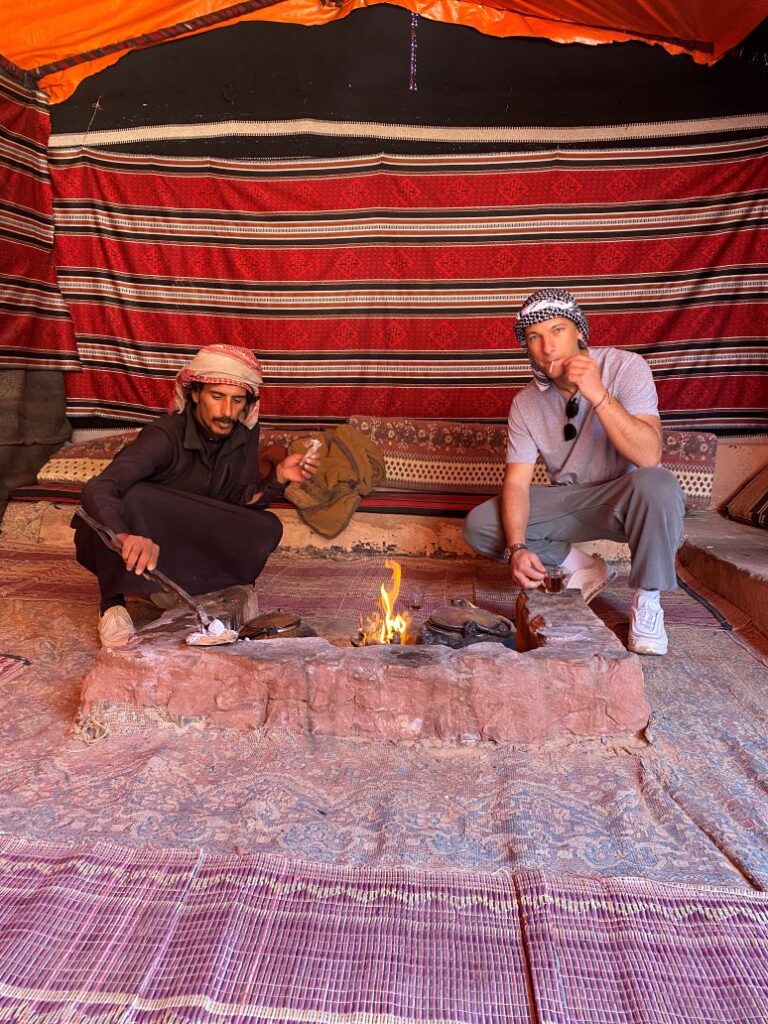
column 351, row 465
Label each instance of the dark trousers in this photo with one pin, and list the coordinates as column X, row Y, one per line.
column 204, row 544
column 643, row 509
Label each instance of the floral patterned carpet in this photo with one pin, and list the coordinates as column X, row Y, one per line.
column 689, row 807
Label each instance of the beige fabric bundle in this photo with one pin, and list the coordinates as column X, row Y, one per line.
column 351, row 465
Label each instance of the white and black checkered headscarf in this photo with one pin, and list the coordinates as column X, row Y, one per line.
column 547, row 304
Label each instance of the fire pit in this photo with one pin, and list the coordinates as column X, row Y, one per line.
column 457, row 625
column 387, row 626
column 570, row 676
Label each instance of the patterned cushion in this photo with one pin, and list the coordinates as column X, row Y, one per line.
column 77, row 463
column 691, row 455
column 750, row 505
column 468, row 458
column 438, row 455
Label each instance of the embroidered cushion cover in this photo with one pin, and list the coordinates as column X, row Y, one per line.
column 468, row 458
column 428, row 456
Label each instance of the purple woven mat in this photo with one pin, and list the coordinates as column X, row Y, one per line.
column 107, row 934
column 101, row 933
column 616, row 951
column 11, row 665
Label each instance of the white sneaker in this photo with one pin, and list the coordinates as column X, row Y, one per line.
column 646, row 627
column 592, row 578
column 116, row 627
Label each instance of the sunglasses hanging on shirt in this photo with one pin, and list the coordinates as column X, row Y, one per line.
column 571, row 410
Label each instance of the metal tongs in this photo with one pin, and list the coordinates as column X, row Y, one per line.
column 110, row 539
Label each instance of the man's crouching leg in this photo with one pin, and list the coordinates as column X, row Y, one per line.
column 484, row 533
column 652, row 507
column 483, row 530
column 205, row 544
column 549, row 536
column 115, row 624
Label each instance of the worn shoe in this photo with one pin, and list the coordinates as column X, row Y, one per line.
column 592, row 578
column 115, row 627
column 646, row 627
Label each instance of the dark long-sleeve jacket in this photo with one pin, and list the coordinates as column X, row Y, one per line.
column 175, row 452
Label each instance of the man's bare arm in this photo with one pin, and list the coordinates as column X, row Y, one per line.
column 637, row 438
column 527, row 569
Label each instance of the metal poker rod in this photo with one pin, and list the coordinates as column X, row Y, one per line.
column 110, row 539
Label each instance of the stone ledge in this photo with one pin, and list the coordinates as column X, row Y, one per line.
column 367, row 533
column 574, row 679
column 730, row 559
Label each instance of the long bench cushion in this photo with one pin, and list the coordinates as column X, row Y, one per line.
column 434, row 467
column 468, row 458
column 438, row 455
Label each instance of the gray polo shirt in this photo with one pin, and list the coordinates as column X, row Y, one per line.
column 536, row 420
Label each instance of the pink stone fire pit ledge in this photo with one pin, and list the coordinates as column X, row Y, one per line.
column 573, row 679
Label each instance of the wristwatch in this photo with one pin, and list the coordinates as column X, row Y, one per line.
column 509, row 552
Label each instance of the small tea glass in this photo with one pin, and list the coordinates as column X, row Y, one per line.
column 312, row 445
column 554, row 581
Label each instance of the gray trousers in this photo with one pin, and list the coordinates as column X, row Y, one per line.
column 643, row 509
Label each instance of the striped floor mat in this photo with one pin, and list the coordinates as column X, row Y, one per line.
column 10, row 666
column 100, row 933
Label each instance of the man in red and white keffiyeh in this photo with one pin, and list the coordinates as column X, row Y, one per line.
column 189, row 496
column 236, row 368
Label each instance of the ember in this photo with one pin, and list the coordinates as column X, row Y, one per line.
column 384, row 626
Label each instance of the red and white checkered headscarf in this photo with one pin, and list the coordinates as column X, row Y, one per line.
column 222, row 364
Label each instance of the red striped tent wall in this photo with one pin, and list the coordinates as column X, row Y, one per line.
column 386, row 283
column 35, row 327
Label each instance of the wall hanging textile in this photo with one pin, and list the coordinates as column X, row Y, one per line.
column 388, row 282
column 35, row 327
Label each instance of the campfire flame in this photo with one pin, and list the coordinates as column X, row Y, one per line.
column 384, row 626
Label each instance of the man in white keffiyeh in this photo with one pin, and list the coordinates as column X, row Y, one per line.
column 544, row 305
column 592, row 416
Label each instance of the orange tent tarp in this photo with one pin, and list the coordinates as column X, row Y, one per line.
column 62, row 43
